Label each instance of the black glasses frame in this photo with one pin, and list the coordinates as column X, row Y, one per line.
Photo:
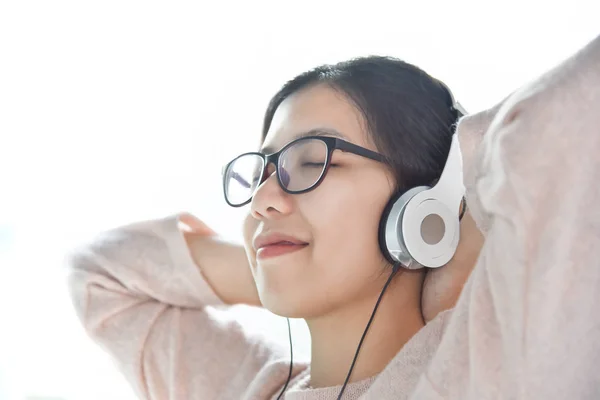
column 332, row 144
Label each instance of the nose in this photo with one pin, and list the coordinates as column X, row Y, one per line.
column 270, row 201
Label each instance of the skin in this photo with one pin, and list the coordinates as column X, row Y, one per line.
column 334, row 291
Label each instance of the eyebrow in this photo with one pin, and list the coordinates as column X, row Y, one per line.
column 313, row 132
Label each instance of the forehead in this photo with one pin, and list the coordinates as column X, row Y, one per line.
column 318, row 107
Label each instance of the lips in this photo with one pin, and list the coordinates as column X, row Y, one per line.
column 276, row 239
column 276, row 244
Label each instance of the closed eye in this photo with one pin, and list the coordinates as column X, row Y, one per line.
column 313, row 164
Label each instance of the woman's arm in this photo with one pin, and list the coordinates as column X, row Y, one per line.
column 223, row 264
column 526, row 324
column 140, row 296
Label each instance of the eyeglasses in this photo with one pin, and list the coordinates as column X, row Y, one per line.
column 301, row 166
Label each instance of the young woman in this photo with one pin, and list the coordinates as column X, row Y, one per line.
column 155, row 294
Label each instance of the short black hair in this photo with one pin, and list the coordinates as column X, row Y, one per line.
column 409, row 114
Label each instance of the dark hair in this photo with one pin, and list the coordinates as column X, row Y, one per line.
column 409, row 114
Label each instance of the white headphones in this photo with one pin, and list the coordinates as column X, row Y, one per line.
column 420, row 227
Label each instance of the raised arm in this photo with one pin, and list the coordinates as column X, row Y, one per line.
column 526, row 324
column 140, row 295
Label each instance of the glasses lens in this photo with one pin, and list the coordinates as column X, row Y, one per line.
column 242, row 177
column 302, row 164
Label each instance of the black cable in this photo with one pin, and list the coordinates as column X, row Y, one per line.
column 291, row 361
column 394, row 270
column 464, row 209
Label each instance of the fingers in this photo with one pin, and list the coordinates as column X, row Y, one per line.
column 190, row 224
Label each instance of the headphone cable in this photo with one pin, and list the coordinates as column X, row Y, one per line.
column 394, row 270
column 362, row 339
column 291, row 361
column 463, row 203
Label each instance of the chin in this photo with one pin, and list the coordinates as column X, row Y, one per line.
column 298, row 302
column 285, row 288
column 283, row 305
column 306, row 304
column 297, row 288
column 284, row 310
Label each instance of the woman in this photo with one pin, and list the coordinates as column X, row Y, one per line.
column 316, row 255
column 313, row 255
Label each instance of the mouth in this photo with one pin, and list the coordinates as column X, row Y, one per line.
column 278, row 249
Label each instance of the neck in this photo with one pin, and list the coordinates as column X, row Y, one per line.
column 335, row 336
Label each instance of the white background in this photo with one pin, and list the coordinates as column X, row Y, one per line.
column 114, row 111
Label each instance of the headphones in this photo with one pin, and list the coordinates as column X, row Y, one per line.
column 420, row 227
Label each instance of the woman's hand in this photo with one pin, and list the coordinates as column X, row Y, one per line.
column 223, row 264
column 443, row 286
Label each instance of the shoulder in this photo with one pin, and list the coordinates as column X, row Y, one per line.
column 402, row 374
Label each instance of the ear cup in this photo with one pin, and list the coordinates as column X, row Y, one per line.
column 391, row 241
column 430, row 230
column 421, row 227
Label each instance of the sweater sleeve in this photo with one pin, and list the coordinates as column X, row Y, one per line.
column 141, row 297
column 526, row 324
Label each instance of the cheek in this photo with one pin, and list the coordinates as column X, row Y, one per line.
column 346, row 227
column 350, row 227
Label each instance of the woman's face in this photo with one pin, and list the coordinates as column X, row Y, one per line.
column 339, row 260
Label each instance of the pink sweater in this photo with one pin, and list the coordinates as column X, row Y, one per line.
column 525, row 326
